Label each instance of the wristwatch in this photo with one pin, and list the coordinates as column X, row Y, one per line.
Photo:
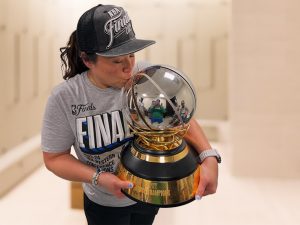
column 95, row 176
column 209, row 153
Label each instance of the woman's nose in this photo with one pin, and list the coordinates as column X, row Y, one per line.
column 128, row 65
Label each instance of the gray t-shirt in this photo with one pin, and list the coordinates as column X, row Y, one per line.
column 92, row 120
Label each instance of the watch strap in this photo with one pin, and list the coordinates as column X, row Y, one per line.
column 209, row 153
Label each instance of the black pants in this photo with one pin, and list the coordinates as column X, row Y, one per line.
column 137, row 214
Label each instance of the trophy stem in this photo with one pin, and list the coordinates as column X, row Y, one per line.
column 160, row 140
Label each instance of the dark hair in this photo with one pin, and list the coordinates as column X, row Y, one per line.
column 71, row 58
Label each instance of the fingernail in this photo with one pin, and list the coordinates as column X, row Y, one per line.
column 130, row 185
column 198, row 197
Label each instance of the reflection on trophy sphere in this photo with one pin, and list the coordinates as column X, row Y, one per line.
column 160, row 98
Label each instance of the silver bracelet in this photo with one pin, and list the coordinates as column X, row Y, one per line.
column 96, row 176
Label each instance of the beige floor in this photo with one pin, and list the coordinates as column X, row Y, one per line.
column 44, row 199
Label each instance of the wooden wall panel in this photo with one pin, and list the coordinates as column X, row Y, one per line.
column 36, row 16
column 43, row 64
column 57, row 42
column 187, row 57
column 17, row 15
column 156, row 54
column 26, row 68
column 3, row 12
column 8, row 68
column 51, row 50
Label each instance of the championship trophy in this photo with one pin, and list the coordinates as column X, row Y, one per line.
column 159, row 103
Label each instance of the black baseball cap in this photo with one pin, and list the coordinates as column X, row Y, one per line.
column 107, row 31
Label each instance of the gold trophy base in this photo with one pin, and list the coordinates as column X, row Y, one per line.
column 161, row 180
column 161, row 193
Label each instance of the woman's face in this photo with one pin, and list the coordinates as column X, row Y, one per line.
column 111, row 71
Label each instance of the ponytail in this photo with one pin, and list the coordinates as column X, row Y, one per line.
column 72, row 63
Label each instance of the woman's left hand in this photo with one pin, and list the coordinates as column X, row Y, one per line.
column 208, row 178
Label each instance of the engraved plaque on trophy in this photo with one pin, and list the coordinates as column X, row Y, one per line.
column 159, row 103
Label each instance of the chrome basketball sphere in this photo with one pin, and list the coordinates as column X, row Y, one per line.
column 159, row 102
column 159, row 98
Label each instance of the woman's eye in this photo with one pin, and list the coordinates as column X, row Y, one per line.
column 121, row 60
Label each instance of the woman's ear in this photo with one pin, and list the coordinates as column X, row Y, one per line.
column 87, row 62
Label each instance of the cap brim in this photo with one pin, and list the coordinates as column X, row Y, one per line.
column 129, row 47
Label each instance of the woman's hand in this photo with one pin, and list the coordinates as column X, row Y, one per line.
column 208, row 178
column 113, row 184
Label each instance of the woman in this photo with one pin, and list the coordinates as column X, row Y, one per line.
column 85, row 112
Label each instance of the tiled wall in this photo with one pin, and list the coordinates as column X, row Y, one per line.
column 265, row 88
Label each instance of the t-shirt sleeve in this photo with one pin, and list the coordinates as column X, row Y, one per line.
column 57, row 135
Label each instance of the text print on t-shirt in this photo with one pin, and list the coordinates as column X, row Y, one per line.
column 102, row 133
column 106, row 162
